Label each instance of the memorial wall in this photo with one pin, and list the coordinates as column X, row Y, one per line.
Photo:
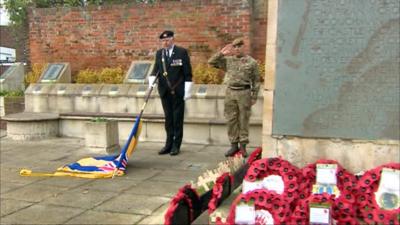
column 338, row 69
column 334, row 77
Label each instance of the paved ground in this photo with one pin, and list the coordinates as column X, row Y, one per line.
column 139, row 197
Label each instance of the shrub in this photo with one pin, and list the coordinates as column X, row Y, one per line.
column 34, row 75
column 205, row 74
column 87, row 76
column 11, row 93
column 111, row 75
column 106, row 75
column 261, row 69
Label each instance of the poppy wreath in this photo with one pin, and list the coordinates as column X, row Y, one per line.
column 217, row 191
column 179, row 198
column 290, row 174
column 301, row 213
column 369, row 209
column 255, row 155
column 274, row 203
column 344, row 207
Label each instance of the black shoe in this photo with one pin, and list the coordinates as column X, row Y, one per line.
column 174, row 151
column 243, row 150
column 234, row 148
column 165, row 150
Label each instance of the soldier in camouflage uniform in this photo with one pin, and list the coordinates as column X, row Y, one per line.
column 243, row 82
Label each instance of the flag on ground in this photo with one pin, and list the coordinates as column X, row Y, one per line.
column 103, row 166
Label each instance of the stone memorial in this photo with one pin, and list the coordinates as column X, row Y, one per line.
column 337, row 69
column 139, row 71
column 56, row 73
column 13, row 78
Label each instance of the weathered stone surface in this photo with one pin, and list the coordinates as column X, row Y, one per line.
column 133, row 204
column 354, row 156
column 9, row 206
column 33, row 192
column 42, row 214
column 97, row 217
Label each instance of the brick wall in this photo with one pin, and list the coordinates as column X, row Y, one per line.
column 113, row 35
column 14, row 39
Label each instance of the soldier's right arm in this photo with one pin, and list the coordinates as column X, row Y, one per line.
column 218, row 60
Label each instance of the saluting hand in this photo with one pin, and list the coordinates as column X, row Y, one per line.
column 227, row 50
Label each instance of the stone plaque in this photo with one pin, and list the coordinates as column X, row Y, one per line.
column 201, row 91
column 337, row 69
column 7, row 72
column 138, row 71
column 53, row 72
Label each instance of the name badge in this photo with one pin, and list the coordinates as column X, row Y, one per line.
column 176, row 62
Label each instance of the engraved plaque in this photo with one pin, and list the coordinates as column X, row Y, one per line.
column 53, row 72
column 201, row 91
column 337, row 69
column 138, row 71
column 37, row 89
column 113, row 90
column 86, row 90
column 61, row 90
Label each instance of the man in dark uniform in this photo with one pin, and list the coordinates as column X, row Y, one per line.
column 173, row 64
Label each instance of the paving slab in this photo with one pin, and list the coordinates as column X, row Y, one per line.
column 109, row 185
column 141, row 196
column 33, row 192
column 136, row 204
column 157, row 188
column 82, row 198
column 9, row 206
column 42, row 214
column 139, row 174
column 66, row 182
column 96, row 217
column 177, row 176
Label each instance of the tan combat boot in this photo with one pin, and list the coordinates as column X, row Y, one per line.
column 234, row 148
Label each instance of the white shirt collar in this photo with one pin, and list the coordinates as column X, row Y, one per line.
column 170, row 50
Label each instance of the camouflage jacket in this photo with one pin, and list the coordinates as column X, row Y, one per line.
column 238, row 71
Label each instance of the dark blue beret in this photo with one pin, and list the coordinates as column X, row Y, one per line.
column 166, row 34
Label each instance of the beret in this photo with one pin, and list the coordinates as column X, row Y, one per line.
column 166, row 34
column 238, row 41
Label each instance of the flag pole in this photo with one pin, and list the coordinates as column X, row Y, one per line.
column 138, row 118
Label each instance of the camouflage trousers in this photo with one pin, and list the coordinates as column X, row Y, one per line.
column 237, row 112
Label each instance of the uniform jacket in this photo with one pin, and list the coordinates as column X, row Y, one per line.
column 178, row 68
column 241, row 71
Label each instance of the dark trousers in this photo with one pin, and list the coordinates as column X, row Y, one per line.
column 174, row 109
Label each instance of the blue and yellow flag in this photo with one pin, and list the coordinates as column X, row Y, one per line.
column 105, row 166
column 98, row 167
